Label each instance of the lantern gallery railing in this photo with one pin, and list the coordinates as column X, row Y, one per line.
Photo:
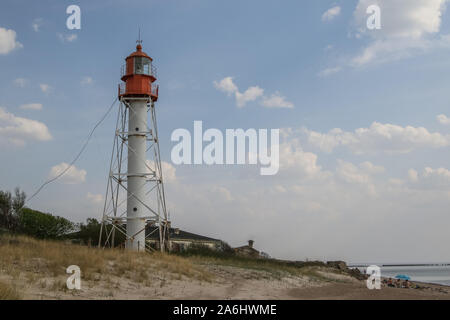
column 153, row 91
column 122, row 88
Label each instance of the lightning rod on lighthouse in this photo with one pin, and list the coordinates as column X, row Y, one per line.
column 135, row 199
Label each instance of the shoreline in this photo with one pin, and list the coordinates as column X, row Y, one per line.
column 430, row 283
column 357, row 290
column 416, row 282
column 407, row 272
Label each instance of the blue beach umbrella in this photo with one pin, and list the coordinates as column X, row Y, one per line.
column 402, row 277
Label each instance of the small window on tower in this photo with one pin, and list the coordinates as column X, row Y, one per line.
column 142, row 65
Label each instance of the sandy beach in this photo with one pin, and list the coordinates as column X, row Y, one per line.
column 36, row 269
column 227, row 283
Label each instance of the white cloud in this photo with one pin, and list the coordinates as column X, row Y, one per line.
column 413, row 175
column 443, row 119
column 31, row 106
column 67, row 37
column 362, row 174
column 329, row 71
column 17, row 130
column 222, row 193
column 20, row 82
column 439, row 175
column 331, row 13
column 253, row 93
column 276, row 101
column 378, row 137
column 72, row 176
column 71, row 37
column 45, row 88
column 8, row 41
column 36, row 25
column 168, row 170
column 296, row 162
column 385, row 51
column 87, row 81
column 430, row 178
column 94, row 198
column 280, row 189
column 295, row 158
column 370, row 168
column 226, row 85
column 407, row 27
column 351, row 173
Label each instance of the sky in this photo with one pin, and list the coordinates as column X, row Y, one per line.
column 364, row 117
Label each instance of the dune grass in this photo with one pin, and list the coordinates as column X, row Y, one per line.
column 277, row 268
column 35, row 259
column 7, row 292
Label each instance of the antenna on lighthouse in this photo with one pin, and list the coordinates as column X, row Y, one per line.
column 135, row 205
column 139, row 41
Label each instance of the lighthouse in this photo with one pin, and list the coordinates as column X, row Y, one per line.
column 135, row 198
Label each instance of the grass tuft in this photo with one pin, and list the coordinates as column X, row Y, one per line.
column 7, row 292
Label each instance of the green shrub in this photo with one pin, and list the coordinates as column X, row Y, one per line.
column 199, row 250
column 43, row 225
column 89, row 232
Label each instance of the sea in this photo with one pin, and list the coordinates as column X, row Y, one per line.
column 429, row 273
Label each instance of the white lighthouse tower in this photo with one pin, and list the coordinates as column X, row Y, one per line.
column 135, row 201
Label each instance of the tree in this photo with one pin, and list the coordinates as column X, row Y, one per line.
column 18, row 201
column 44, row 225
column 10, row 207
column 5, row 209
column 89, row 233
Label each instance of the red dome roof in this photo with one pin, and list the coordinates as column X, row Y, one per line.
column 139, row 53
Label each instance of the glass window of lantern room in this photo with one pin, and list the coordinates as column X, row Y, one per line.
column 138, row 67
column 142, row 65
column 147, row 66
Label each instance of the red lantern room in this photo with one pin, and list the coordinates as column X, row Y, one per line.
column 139, row 76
